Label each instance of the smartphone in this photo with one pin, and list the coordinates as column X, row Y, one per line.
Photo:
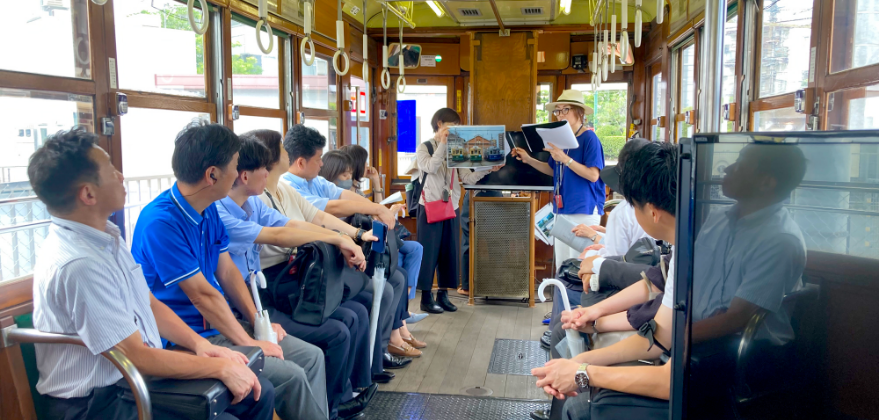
column 380, row 231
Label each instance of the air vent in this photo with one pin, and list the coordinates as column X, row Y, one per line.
column 532, row 11
column 470, row 12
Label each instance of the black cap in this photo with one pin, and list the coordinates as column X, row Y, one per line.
column 611, row 177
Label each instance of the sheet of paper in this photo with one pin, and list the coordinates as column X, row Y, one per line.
column 393, row 198
column 560, row 137
column 544, row 220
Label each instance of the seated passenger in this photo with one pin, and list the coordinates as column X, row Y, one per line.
column 87, row 283
column 284, row 198
column 183, row 249
column 338, row 167
column 748, row 257
column 251, row 224
column 621, row 237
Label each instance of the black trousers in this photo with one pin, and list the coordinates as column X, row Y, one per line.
column 112, row 403
column 442, row 247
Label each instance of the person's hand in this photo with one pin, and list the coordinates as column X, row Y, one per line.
column 558, row 155
column 386, row 216
column 373, row 175
column 593, row 247
column 368, row 236
column 269, row 349
column 353, row 254
column 584, row 231
column 599, row 228
column 496, row 168
column 279, row 330
column 396, row 209
column 240, row 380
column 586, row 266
column 522, row 155
column 581, row 319
column 442, row 135
column 206, row 349
column 557, row 375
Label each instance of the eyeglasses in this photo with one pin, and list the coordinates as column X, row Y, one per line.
column 563, row 111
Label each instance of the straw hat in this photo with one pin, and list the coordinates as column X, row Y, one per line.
column 571, row 97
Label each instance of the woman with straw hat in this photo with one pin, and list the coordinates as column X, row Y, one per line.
column 578, row 189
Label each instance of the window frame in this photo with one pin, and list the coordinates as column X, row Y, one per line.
column 675, row 97
column 448, row 82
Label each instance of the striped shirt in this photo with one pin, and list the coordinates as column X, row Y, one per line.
column 87, row 283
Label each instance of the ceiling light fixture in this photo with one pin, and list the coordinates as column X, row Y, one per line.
column 565, row 6
column 436, row 8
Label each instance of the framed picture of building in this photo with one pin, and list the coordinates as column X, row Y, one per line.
column 477, row 146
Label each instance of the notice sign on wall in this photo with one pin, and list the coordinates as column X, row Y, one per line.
column 428, row 60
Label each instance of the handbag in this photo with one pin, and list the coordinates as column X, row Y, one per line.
column 439, row 210
column 414, row 188
column 308, row 288
column 569, row 274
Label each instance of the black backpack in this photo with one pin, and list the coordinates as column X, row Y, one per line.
column 414, row 188
column 309, row 287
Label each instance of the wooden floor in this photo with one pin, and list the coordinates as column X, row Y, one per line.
column 459, row 346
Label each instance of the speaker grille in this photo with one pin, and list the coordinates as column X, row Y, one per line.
column 501, row 249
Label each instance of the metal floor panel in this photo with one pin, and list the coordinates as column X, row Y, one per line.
column 411, row 406
column 516, row 357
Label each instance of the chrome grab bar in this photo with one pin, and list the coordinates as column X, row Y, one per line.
column 13, row 335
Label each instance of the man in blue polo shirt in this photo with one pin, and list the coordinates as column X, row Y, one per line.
column 304, row 146
column 182, row 246
column 251, row 224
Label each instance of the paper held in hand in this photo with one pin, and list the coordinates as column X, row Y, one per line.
column 561, row 137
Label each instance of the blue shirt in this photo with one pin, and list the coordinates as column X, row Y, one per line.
column 318, row 191
column 243, row 224
column 758, row 258
column 580, row 195
column 172, row 242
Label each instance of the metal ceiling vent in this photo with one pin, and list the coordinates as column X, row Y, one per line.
column 532, row 11
column 470, row 12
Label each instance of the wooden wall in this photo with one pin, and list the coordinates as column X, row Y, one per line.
column 503, row 78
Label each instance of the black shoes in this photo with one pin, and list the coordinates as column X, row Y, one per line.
column 354, row 408
column 547, row 333
column 442, row 299
column 428, row 304
column 545, row 343
column 540, row 415
column 383, row 378
column 390, row 361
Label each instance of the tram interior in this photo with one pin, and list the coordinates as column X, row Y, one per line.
column 770, row 109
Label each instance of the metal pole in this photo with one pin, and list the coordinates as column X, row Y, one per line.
column 711, row 86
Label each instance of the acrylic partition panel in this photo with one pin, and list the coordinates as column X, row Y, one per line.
column 783, row 289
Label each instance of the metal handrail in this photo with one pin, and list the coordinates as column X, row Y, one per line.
column 114, row 355
column 23, row 226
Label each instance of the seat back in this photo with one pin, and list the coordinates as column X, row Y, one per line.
column 29, row 355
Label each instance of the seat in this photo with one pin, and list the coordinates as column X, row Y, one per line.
column 197, row 399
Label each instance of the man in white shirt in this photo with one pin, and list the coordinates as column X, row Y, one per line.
column 747, row 258
column 86, row 282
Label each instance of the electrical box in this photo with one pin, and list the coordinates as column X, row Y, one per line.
column 579, row 63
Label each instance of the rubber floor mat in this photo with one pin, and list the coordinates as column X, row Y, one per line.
column 516, row 357
column 412, row 406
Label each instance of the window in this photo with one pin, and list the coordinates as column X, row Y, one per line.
column 29, row 118
column 657, row 107
column 854, row 26
column 326, row 127
column 157, row 51
column 361, row 98
column 319, row 85
column 609, row 120
column 544, row 96
column 255, row 76
column 728, row 96
column 685, row 59
column 854, row 109
column 428, row 100
column 782, row 119
column 247, row 123
column 785, row 46
column 50, row 38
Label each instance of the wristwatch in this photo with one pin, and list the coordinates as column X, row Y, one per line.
column 570, row 161
column 359, row 236
column 378, row 191
column 594, row 238
column 581, row 378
